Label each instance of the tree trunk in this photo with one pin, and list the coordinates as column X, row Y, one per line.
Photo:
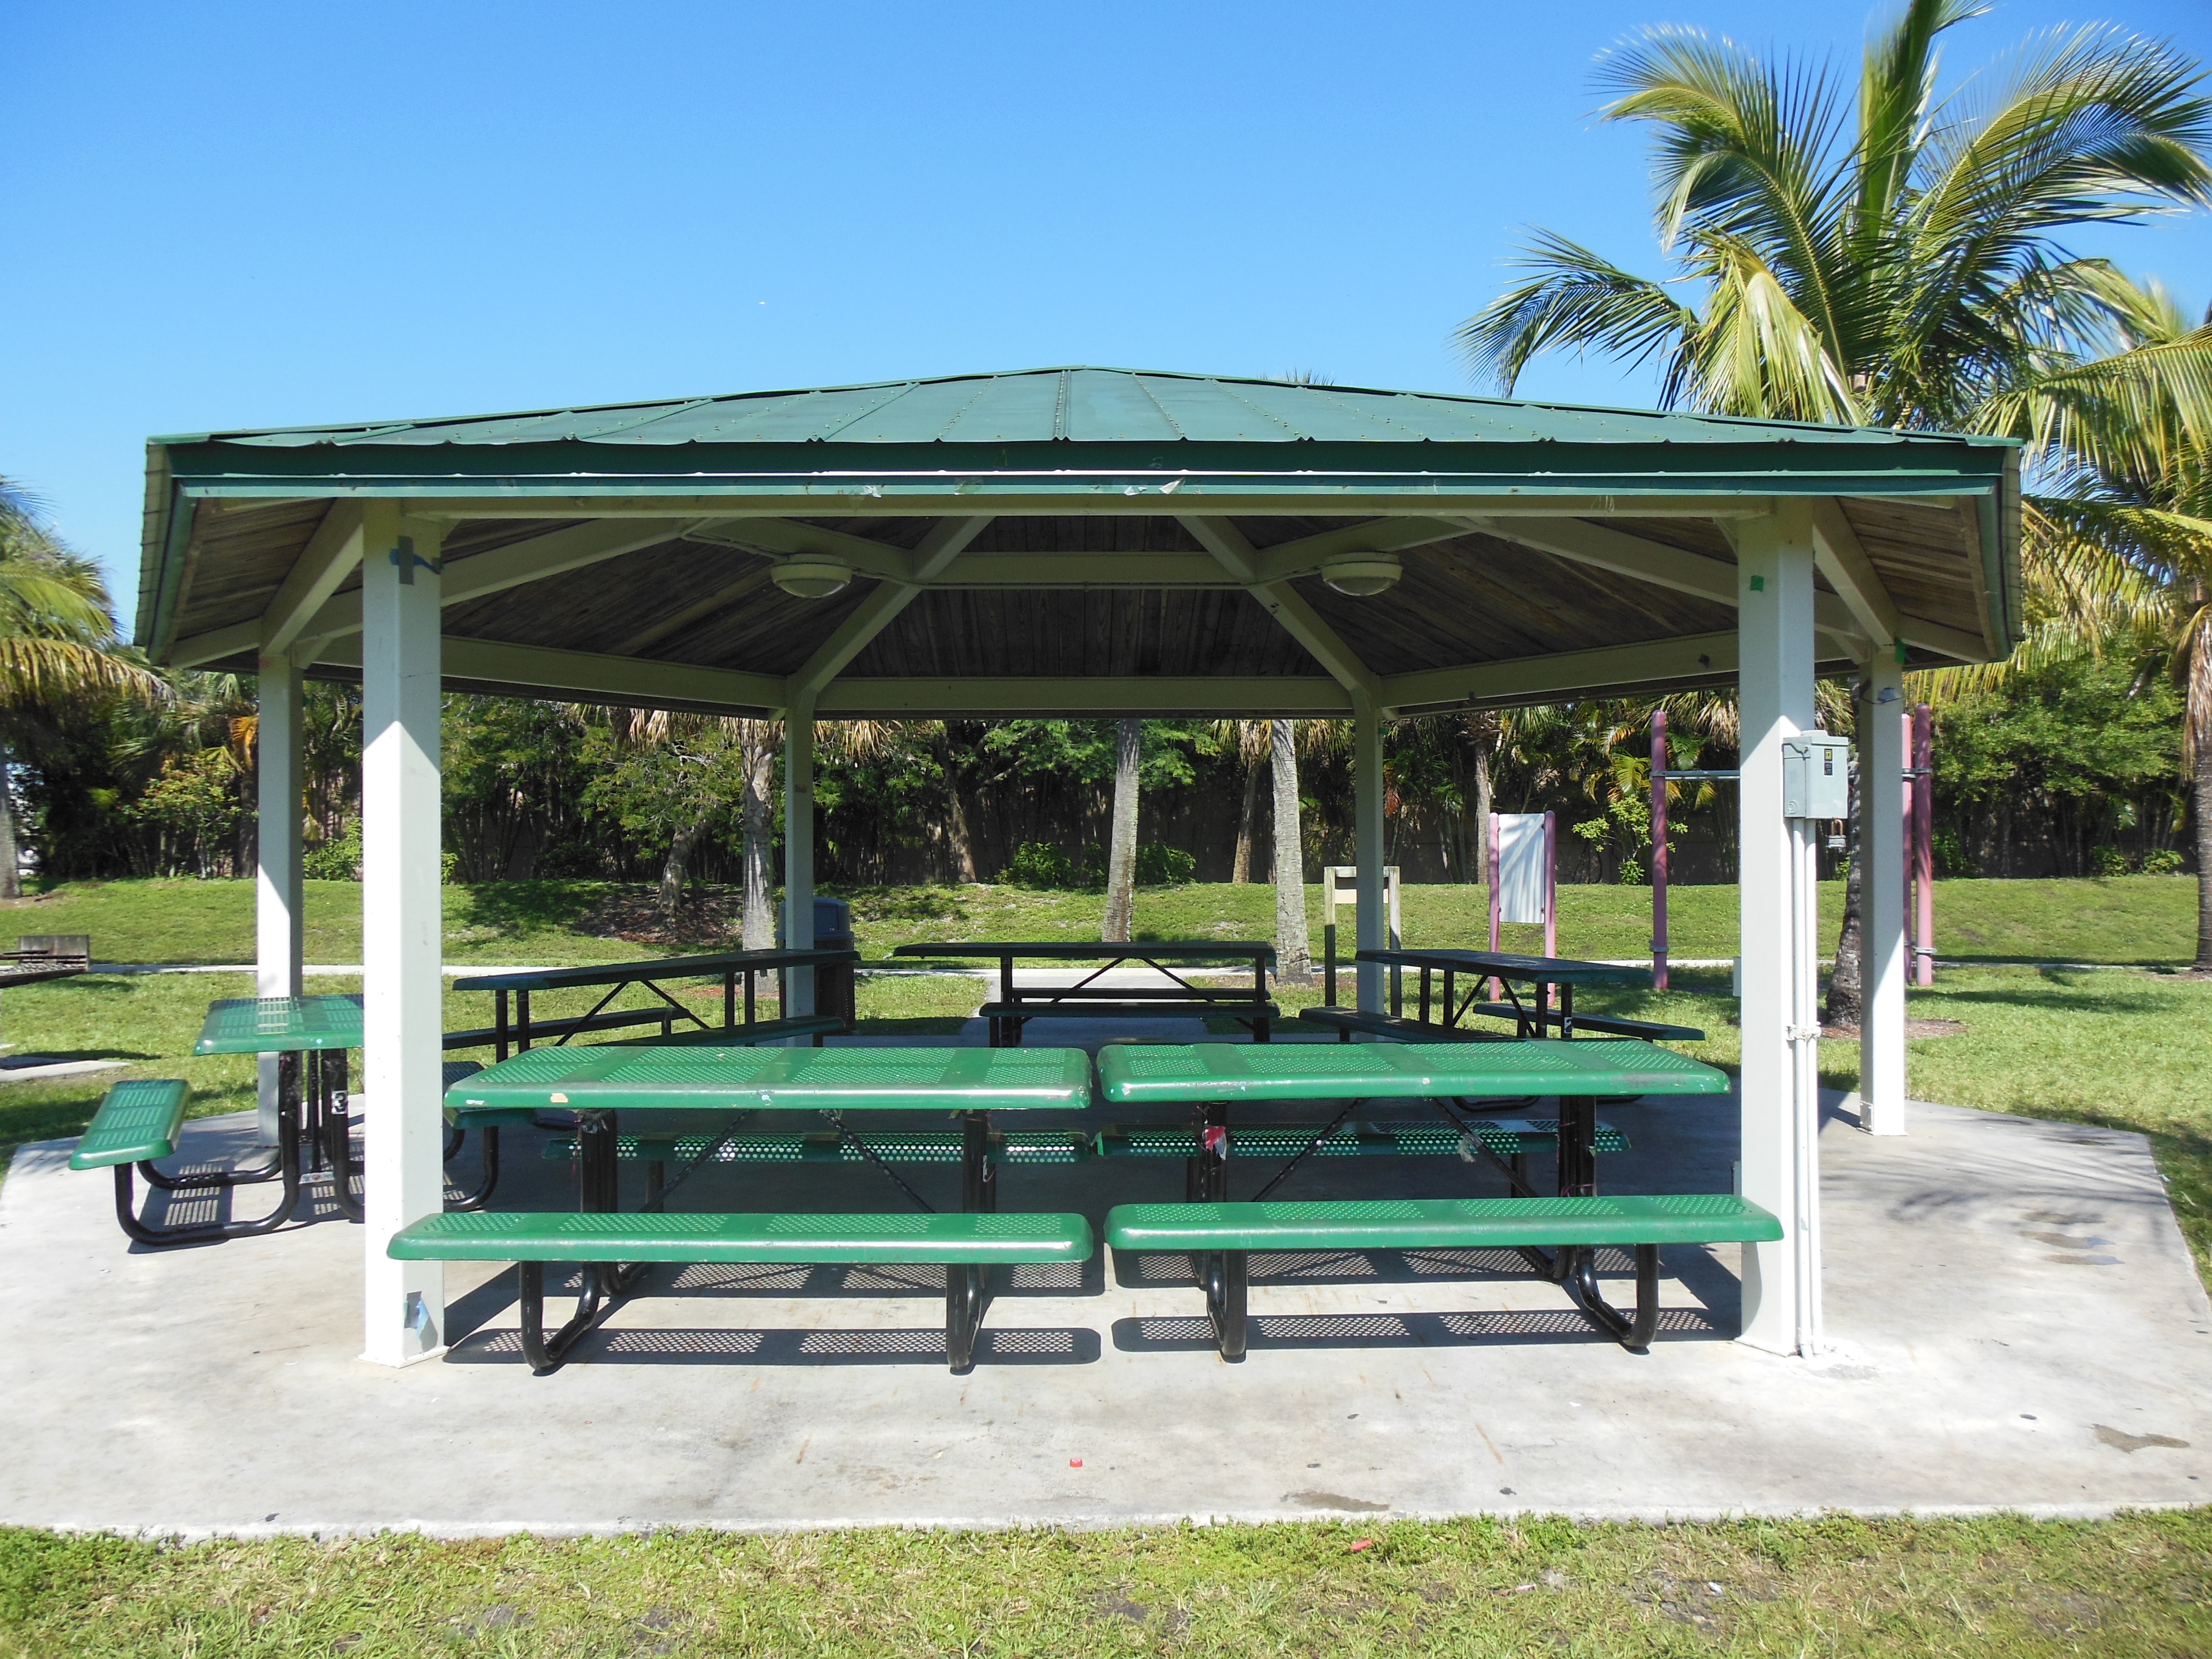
column 11, row 875
column 759, row 923
column 2199, row 726
column 1846, row 981
column 1293, row 964
column 1241, row 871
column 1482, row 805
column 677, row 867
column 964, row 844
column 1121, row 848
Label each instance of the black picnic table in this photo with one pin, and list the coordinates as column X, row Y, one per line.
column 1507, row 970
column 729, row 966
column 1084, row 1000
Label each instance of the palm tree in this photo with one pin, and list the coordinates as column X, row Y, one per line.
column 1293, row 956
column 1902, row 269
column 2128, row 547
column 56, row 627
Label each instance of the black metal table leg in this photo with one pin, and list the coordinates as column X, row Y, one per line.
column 287, row 1169
column 334, row 1103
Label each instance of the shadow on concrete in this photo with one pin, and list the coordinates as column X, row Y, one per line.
column 809, row 1348
column 1548, row 1327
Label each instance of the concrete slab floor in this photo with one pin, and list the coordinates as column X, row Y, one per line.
column 2017, row 1324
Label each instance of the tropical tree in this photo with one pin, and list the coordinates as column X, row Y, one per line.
column 57, row 631
column 2127, row 548
column 1903, row 264
column 1121, row 843
column 1294, row 957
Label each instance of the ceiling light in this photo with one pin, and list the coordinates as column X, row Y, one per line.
column 811, row 575
column 1361, row 576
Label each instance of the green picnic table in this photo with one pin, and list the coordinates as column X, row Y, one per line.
column 310, row 1036
column 1206, row 1078
column 596, row 1084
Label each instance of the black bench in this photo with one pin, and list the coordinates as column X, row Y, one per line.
column 968, row 1245
column 1007, row 1019
column 1346, row 1021
column 1223, row 1236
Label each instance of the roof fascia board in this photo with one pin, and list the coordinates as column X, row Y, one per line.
column 332, row 555
column 1689, row 657
column 858, row 501
column 1284, row 602
column 946, row 540
column 513, row 566
column 1304, row 696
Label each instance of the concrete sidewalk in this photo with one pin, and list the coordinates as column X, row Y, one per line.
column 2018, row 1327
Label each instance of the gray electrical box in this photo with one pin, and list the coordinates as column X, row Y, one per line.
column 1816, row 776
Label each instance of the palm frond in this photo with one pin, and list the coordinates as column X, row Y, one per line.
column 1576, row 302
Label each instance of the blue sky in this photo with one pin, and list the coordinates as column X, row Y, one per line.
column 260, row 214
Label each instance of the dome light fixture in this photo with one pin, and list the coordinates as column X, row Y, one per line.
column 811, row 575
column 1362, row 575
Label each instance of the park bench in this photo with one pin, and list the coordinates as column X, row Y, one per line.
column 1345, row 1022
column 1506, row 1138
column 1089, row 997
column 967, row 1245
column 138, row 1122
column 1222, row 1236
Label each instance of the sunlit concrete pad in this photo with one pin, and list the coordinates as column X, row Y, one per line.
column 2015, row 1319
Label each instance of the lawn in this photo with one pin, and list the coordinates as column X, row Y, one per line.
column 2126, row 1046
column 2136, row 1586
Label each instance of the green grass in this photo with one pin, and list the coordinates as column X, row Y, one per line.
column 2140, row 920
column 2135, row 1586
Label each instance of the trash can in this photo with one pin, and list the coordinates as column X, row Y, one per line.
column 833, row 985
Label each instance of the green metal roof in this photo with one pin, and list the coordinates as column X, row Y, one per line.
column 1071, row 405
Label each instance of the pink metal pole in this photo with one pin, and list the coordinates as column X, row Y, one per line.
column 1659, row 849
column 1491, row 836
column 1551, row 900
column 1924, row 843
column 1912, row 862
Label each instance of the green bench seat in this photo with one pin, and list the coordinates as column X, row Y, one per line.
column 967, row 1244
column 137, row 1122
column 1223, row 1235
column 1347, row 1022
column 1652, row 1031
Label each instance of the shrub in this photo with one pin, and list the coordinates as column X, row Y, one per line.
column 1040, row 864
column 1161, row 865
column 2164, row 861
column 335, row 860
column 2109, row 860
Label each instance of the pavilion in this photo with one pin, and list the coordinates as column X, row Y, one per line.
column 1073, row 541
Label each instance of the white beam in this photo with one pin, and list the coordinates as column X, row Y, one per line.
column 770, row 537
column 404, row 1303
column 332, row 555
column 1774, row 621
column 944, row 543
column 1838, row 555
column 1118, row 495
column 1606, row 548
column 1285, row 603
column 215, row 644
column 516, row 563
column 590, row 674
column 277, row 891
column 1393, row 535
column 1881, row 897
column 697, row 611
column 1686, row 658
column 1301, row 696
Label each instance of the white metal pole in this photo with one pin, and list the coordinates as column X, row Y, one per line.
column 1882, row 898
column 401, row 932
column 1805, row 1045
column 1372, row 920
column 276, row 919
column 799, row 847
column 1774, row 626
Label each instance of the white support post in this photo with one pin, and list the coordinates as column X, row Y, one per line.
column 1372, row 922
column 799, row 847
column 1774, row 625
column 277, row 918
column 401, row 931
column 1882, row 898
